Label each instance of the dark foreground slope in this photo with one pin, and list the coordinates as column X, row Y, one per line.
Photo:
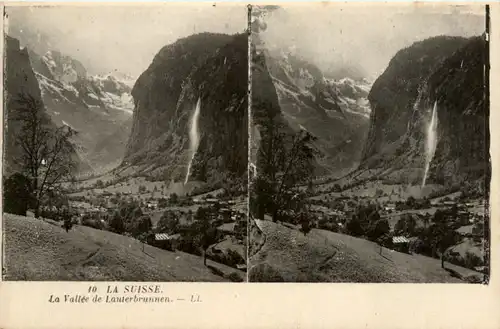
column 285, row 254
column 209, row 67
column 37, row 250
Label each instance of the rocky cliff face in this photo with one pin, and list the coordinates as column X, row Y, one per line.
column 19, row 79
column 209, row 67
column 459, row 88
column 446, row 70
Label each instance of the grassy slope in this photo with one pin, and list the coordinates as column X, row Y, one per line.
column 324, row 256
column 38, row 250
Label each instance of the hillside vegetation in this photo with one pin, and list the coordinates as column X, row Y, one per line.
column 43, row 251
column 322, row 256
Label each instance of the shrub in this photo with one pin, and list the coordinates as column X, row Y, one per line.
column 305, row 225
column 472, row 260
column 93, row 221
column 169, row 222
column 17, row 195
column 235, row 277
column 378, row 229
column 142, row 226
column 173, row 198
column 117, row 225
column 264, row 273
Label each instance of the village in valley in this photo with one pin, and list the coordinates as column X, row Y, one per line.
column 208, row 223
column 408, row 212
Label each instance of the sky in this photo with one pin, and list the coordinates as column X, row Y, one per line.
column 362, row 36
column 124, row 38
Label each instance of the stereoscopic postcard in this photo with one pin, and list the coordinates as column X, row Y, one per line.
column 306, row 165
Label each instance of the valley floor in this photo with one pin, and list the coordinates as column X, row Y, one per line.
column 37, row 250
column 323, row 256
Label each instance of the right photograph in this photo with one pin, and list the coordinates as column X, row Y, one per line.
column 369, row 144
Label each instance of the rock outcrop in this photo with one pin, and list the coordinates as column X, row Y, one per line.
column 206, row 66
column 446, row 70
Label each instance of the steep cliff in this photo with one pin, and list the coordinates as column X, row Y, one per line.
column 206, row 66
column 447, row 71
column 19, row 79
column 458, row 86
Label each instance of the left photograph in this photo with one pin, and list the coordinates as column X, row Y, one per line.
column 125, row 143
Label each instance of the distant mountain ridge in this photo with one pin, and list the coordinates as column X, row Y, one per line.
column 98, row 107
column 21, row 79
column 335, row 111
column 94, row 106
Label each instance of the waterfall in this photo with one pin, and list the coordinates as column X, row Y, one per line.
column 431, row 142
column 194, row 137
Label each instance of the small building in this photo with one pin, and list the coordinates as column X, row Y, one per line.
column 166, row 241
column 165, row 236
column 212, row 200
column 227, row 228
column 401, row 243
column 390, row 207
column 152, row 204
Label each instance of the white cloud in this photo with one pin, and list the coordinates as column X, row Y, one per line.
column 126, row 36
column 365, row 36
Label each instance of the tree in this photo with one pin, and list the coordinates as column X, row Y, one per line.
column 353, row 226
column 378, row 228
column 169, row 222
column 162, row 203
column 305, row 224
column 441, row 234
column 46, row 157
column 406, row 225
column 208, row 237
column 143, row 225
column 410, row 202
column 204, row 233
column 173, row 198
column 286, row 161
column 117, row 225
column 17, row 194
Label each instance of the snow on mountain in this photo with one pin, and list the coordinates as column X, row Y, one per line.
column 99, row 107
column 337, row 111
column 65, row 78
column 352, row 95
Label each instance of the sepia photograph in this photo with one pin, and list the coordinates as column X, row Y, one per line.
column 369, row 144
column 125, row 145
column 164, row 161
